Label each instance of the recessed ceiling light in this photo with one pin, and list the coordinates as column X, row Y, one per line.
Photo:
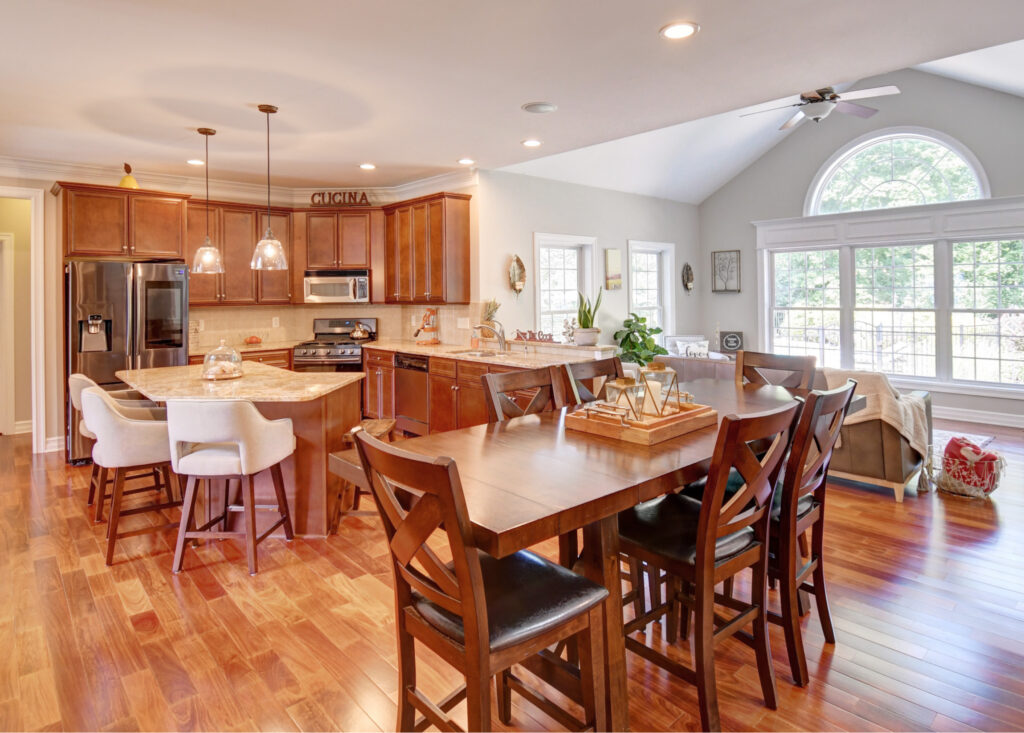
column 531, row 143
column 540, row 108
column 681, row 29
column 367, row 166
column 466, row 161
column 195, row 161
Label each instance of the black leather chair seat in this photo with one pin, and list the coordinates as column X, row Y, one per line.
column 667, row 526
column 525, row 595
column 735, row 482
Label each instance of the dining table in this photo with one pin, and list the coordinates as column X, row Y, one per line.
column 530, row 479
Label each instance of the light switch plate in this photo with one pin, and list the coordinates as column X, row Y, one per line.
column 463, row 323
column 275, row 322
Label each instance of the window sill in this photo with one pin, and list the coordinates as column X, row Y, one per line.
column 975, row 390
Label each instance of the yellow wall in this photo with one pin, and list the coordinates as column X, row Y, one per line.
column 15, row 218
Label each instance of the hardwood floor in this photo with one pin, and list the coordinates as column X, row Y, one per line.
column 927, row 599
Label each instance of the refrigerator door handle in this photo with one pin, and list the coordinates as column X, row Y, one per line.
column 132, row 355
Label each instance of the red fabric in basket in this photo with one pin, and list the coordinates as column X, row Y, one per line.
column 971, row 465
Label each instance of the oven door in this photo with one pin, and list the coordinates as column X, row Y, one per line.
column 335, row 289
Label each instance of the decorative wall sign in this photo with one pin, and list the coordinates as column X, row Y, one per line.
column 339, row 198
column 731, row 341
column 725, row 271
column 613, row 269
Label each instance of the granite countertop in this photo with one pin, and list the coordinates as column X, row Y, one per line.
column 258, row 383
column 449, row 351
column 243, row 348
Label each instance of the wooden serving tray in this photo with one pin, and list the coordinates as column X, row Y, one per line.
column 650, row 430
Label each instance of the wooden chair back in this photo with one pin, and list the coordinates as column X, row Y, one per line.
column 603, row 369
column 813, row 442
column 547, row 384
column 783, row 370
column 439, row 505
column 750, row 506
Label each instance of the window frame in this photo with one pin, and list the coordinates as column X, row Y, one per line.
column 586, row 279
column 666, row 288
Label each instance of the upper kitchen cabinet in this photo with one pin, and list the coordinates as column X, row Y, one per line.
column 273, row 287
column 108, row 221
column 337, row 240
column 427, row 249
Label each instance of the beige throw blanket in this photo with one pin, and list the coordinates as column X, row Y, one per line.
column 906, row 413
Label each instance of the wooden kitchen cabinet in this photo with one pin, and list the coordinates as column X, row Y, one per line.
column 109, row 221
column 273, row 287
column 443, row 395
column 238, row 240
column 379, row 384
column 281, row 358
column 427, row 249
column 203, row 289
column 337, row 240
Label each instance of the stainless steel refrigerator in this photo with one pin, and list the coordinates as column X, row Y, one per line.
column 121, row 315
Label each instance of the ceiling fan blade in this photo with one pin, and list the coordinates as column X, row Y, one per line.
column 773, row 109
column 867, row 93
column 857, row 110
column 794, row 120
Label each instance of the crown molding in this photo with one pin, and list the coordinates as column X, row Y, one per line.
column 25, row 168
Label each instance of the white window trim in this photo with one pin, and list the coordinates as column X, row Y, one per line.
column 667, row 250
column 586, row 245
column 939, row 224
column 855, row 145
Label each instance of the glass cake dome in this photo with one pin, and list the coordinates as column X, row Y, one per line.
column 222, row 362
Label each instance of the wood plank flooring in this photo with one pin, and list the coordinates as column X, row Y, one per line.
column 927, row 599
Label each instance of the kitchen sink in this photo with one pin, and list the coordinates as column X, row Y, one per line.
column 479, row 352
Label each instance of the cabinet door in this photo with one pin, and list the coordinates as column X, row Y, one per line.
column 274, row 286
column 420, row 256
column 96, row 223
column 387, row 393
column 202, row 289
column 238, row 240
column 157, row 226
column 442, row 402
column 435, row 263
column 371, row 392
column 403, row 249
column 354, row 239
column 391, row 256
column 321, row 241
column 472, row 405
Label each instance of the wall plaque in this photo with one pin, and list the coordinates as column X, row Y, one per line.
column 339, row 198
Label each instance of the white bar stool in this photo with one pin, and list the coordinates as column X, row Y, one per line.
column 133, row 405
column 125, row 443
column 228, row 440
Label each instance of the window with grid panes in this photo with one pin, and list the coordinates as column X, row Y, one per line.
column 559, row 269
column 806, row 308
column 988, row 311
column 645, row 286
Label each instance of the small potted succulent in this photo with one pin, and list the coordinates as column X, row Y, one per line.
column 586, row 334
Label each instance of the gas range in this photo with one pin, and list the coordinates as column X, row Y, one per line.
column 333, row 348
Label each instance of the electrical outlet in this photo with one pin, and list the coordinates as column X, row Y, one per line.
column 415, row 320
column 202, row 325
column 275, row 322
column 463, row 323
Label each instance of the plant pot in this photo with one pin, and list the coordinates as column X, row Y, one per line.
column 586, row 336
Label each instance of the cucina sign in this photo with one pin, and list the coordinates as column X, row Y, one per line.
column 339, row 198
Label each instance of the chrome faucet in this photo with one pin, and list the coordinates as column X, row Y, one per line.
column 499, row 332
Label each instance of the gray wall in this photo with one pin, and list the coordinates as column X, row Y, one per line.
column 988, row 123
column 511, row 207
column 15, row 218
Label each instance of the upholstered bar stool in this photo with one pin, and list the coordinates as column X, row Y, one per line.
column 228, row 440
column 133, row 405
column 125, row 443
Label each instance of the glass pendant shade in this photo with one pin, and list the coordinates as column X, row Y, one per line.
column 269, row 254
column 208, row 260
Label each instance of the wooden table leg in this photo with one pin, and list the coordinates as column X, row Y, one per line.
column 601, row 564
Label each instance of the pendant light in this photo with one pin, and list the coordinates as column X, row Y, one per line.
column 208, row 260
column 269, row 254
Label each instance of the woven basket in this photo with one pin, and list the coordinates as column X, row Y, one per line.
column 992, row 472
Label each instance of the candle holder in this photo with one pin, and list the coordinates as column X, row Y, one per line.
column 626, row 393
column 660, row 389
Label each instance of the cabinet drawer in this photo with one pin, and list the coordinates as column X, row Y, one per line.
column 198, row 359
column 379, row 358
column 281, row 359
column 470, row 372
column 442, row 367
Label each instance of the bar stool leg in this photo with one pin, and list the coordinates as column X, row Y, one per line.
column 282, row 500
column 101, row 496
column 249, row 511
column 187, row 510
column 115, row 513
column 93, row 477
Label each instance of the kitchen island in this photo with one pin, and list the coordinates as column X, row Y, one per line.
column 322, row 406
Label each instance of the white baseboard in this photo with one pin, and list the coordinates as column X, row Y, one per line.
column 22, row 426
column 1006, row 419
column 55, row 444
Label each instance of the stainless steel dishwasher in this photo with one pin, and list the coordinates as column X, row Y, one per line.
column 412, row 409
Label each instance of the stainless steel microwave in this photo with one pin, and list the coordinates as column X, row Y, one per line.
column 336, row 286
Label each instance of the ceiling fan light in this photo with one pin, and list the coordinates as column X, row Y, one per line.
column 207, row 260
column 818, row 111
column 269, row 254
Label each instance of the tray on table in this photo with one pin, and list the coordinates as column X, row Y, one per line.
column 612, row 422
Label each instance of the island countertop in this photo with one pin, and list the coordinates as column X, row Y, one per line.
column 258, row 383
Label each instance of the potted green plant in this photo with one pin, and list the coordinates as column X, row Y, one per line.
column 636, row 339
column 586, row 334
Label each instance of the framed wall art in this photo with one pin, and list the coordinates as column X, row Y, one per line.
column 725, row 271
column 613, row 269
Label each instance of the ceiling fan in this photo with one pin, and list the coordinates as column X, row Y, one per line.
column 818, row 105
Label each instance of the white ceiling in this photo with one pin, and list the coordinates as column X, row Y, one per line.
column 999, row 68
column 412, row 86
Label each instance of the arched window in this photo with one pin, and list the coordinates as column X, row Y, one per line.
column 896, row 168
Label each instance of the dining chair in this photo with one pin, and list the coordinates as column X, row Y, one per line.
column 126, row 443
column 755, row 367
column 479, row 613
column 228, row 440
column 700, row 543
column 800, row 507
column 539, row 389
column 584, row 371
